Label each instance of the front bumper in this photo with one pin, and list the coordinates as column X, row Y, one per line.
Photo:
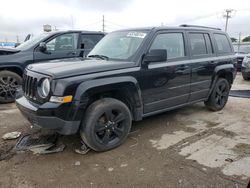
column 38, row 116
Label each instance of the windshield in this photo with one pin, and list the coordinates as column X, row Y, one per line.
column 119, row 45
column 29, row 43
column 242, row 49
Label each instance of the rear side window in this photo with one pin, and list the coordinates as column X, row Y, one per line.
column 198, row 44
column 88, row 41
column 222, row 44
column 172, row 42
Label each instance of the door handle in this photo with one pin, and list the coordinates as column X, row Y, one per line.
column 182, row 68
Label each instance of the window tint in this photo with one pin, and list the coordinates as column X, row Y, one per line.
column 222, row 43
column 172, row 42
column 63, row 42
column 89, row 41
column 198, row 44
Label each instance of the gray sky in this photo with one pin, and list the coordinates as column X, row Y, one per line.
column 21, row 17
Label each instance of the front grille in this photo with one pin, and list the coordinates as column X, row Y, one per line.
column 30, row 86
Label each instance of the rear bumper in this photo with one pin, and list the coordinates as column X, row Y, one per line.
column 34, row 115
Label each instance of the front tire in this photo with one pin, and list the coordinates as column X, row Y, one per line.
column 219, row 96
column 106, row 124
column 9, row 82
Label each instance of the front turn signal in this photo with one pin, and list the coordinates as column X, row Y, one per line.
column 65, row 99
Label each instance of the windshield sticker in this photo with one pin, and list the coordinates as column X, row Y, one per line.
column 136, row 34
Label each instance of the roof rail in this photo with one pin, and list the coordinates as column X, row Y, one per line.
column 198, row 26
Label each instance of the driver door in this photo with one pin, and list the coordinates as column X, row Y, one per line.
column 61, row 46
column 167, row 84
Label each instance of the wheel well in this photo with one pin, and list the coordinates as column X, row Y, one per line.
column 228, row 76
column 13, row 69
column 124, row 94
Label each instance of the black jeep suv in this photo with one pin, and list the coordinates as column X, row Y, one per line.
column 47, row 46
column 129, row 75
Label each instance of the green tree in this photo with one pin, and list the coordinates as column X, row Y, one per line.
column 233, row 39
column 246, row 39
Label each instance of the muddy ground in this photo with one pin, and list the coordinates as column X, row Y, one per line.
column 188, row 147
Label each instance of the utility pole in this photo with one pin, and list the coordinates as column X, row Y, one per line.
column 103, row 24
column 17, row 39
column 227, row 15
column 239, row 41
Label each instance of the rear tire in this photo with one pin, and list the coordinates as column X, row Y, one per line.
column 219, row 96
column 9, row 82
column 106, row 124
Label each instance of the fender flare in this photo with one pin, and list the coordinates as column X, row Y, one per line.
column 4, row 67
column 220, row 70
column 91, row 84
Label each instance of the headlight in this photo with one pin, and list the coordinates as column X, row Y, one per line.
column 44, row 88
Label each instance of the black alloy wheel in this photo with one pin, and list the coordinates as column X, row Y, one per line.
column 110, row 127
column 106, row 124
column 9, row 82
column 219, row 95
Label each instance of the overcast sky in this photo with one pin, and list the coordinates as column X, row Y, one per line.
column 21, row 17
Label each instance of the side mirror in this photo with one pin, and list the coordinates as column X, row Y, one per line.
column 157, row 55
column 42, row 47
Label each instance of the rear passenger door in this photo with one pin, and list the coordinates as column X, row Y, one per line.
column 166, row 84
column 88, row 42
column 203, row 64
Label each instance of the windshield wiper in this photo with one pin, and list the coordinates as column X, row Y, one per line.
column 100, row 56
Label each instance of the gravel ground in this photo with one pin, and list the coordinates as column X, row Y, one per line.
column 188, row 147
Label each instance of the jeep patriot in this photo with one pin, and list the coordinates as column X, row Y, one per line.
column 130, row 74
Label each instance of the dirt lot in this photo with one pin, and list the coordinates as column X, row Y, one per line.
column 189, row 147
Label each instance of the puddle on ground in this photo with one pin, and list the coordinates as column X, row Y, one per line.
column 227, row 148
column 228, row 151
column 210, row 151
column 240, row 168
column 168, row 140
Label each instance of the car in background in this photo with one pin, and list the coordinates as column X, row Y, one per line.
column 245, row 70
column 44, row 47
column 241, row 50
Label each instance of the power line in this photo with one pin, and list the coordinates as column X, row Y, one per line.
column 93, row 23
column 117, row 25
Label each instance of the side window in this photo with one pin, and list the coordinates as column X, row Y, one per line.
column 198, row 44
column 222, row 43
column 89, row 41
column 172, row 42
column 63, row 42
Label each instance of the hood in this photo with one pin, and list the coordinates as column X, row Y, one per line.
column 8, row 51
column 75, row 67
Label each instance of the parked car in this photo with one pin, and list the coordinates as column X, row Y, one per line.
column 241, row 50
column 245, row 70
column 129, row 75
column 47, row 46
